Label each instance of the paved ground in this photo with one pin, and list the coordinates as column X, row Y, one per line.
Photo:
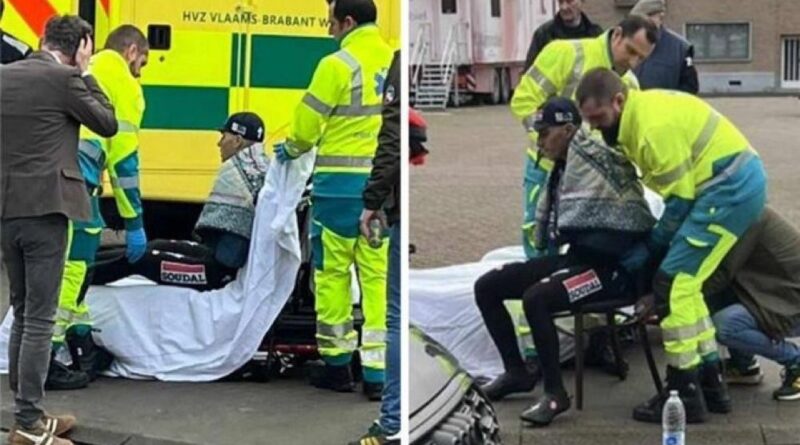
column 118, row 411
column 467, row 200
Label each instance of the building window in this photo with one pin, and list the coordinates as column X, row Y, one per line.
column 495, row 8
column 719, row 41
column 448, row 6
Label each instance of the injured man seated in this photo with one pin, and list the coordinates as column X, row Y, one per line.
column 223, row 228
column 198, row 277
column 593, row 203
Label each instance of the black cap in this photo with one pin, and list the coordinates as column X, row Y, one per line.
column 246, row 124
column 557, row 111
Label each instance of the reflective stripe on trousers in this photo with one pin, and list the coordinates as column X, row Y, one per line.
column 332, row 276
column 688, row 330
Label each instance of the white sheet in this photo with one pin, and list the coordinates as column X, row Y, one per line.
column 442, row 304
column 178, row 334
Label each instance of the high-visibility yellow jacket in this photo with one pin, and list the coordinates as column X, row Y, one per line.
column 557, row 71
column 120, row 153
column 676, row 140
column 340, row 113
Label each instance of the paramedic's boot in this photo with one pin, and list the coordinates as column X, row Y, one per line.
column 87, row 356
column 511, row 381
column 60, row 377
column 715, row 390
column 373, row 390
column 37, row 435
column 336, row 378
column 687, row 383
column 545, row 409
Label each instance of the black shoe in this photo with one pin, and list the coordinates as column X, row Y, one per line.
column 60, row 377
column 373, row 391
column 335, row 378
column 509, row 382
column 715, row 389
column 687, row 383
column 743, row 374
column 87, row 356
column 790, row 389
column 377, row 436
column 545, row 409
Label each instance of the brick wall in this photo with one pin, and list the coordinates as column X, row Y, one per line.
column 769, row 20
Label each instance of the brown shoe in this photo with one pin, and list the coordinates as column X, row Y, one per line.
column 37, row 435
column 58, row 425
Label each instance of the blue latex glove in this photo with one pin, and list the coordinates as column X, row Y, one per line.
column 281, row 154
column 635, row 259
column 136, row 244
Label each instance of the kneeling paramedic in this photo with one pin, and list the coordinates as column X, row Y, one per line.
column 594, row 203
column 714, row 187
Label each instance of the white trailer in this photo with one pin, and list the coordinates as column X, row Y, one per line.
column 462, row 49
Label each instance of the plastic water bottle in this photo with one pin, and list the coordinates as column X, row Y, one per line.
column 673, row 421
column 375, row 233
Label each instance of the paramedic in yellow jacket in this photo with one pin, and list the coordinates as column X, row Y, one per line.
column 340, row 114
column 714, row 187
column 116, row 69
column 556, row 72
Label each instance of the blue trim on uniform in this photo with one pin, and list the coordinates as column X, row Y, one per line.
column 338, row 215
column 317, row 254
column 735, row 204
column 91, row 170
column 96, row 220
column 675, row 211
column 339, row 185
column 126, row 168
column 337, row 360
column 373, row 375
column 84, row 246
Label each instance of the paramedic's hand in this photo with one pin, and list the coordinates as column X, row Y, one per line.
column 369, row 215
column 281, row 153
column 635, row 259
column 136, row 244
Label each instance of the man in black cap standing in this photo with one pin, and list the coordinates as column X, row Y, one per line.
column 224, row 225
column 594, row 203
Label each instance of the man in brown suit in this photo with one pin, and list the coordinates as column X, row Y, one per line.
column 46, row 98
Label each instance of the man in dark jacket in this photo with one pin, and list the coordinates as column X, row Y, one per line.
column 670, row 65
column 11, row 48
column 755, row 298
column 46, row 98
column 383, row 192
column 569, row 23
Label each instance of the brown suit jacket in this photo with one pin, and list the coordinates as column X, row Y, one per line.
column 43, row 106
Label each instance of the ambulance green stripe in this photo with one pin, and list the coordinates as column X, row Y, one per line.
column 184, row 108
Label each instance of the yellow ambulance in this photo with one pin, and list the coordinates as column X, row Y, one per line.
column 208, row 58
